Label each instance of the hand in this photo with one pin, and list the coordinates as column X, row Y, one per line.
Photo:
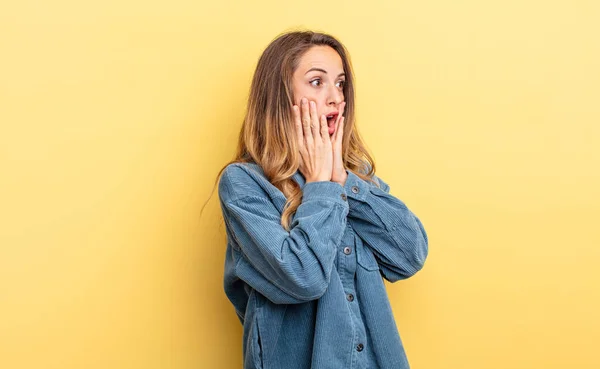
column 316, row 152
column 339, row 173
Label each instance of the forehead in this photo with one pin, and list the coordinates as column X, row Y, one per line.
column 321, row 56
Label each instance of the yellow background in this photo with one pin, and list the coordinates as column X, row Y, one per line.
column 483, row 116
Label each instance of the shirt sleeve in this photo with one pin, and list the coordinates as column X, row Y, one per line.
column 394, row 234
column 286, row 267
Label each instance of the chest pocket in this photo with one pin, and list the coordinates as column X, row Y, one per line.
column 365, row 257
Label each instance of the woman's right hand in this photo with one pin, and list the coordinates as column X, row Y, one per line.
column 316, row 152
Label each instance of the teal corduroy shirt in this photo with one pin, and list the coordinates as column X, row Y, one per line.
column 314, row 297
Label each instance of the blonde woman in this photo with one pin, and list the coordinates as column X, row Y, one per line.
column 311, row 230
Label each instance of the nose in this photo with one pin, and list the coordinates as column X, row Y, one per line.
column 335, row 96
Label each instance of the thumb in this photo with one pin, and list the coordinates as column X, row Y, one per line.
column 339, row 133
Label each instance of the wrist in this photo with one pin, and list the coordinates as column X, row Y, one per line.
column 341, row 179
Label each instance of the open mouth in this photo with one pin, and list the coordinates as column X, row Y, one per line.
column 331, row 119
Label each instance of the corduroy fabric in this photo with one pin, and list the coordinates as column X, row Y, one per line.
column 314, row 297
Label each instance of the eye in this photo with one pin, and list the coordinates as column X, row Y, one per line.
column 315, row 80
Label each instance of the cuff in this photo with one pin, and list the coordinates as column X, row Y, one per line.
column 325, row 190
column 356, row 187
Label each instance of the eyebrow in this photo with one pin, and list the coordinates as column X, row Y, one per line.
column 322, row 70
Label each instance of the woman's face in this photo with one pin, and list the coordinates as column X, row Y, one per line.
column 320, row 78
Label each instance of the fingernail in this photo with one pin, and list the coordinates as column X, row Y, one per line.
column 304, row 100
column 312, row 104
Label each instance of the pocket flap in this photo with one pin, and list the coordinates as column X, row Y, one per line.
column 365, row 257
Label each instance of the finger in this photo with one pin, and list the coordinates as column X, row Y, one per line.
column 314, row 120
column 337, row 119
column 339, row 132
column 341, row 112
column 299, row 137
column 324, row 129
column 298, row 125
column 306, row 123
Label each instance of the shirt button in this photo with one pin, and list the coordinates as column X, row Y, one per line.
column 359, row 347
column 347, row 250
column 344, row 196
column 350, row 297
column 354, row 189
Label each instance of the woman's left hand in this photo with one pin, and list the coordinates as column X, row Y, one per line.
column 339, row 174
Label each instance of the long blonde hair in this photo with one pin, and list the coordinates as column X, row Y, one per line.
column 268, row 134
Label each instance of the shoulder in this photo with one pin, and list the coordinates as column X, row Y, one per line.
column 240, row 180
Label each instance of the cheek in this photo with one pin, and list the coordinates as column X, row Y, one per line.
column 306, row 91
column 322, row 107
column 299, row 92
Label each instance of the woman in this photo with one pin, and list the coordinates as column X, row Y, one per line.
column 311, row 231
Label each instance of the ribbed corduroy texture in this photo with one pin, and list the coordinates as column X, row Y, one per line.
column 291, row 290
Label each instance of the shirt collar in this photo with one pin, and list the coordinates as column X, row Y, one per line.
column 298, row 177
